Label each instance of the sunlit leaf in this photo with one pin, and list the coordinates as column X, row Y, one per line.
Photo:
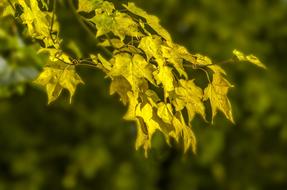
column 249, row 58
column 56, row 79
column 216, row 93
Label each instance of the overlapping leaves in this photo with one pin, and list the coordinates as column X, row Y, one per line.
column 146, row 68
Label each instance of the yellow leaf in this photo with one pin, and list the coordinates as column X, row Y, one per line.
column 121, row 86
column 216, row 92
column 174, row 58
column 190, row 96
column 56, row 78
column 104, row 24
column 165, row 77
column 125, row 26
column 151, row 20
column 152, row 97
column 182, row 52
column 6, row 9
column 55, row 55
column 134, row 69
column 142, row 68
column 165, row 112
column 142, row 139
column 185, row 132
column 106, row 64
column 116, row 43
column 133, row 102
column 120, row 24
column 217, row 69
column 249, row 58
column 151, row 46
column 38, row 22
column 202, row 60
column 88, row 5
column 106, row 7
column 147, row 126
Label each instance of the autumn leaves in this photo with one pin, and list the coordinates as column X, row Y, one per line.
column 147, row 69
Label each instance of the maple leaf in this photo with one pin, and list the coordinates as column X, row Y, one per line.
column 165, row 112
column 148, row 126
column 175, row 58
column 216, row 93
column 134, row 69
column 89, row 5
column 190, row 96
column 151, row 46
column 185, row 132
column 120, row 24
column 151, row 20
column 56, row 78
column 165, row 77
column 38, row 22
column 132, row 104
column 121, row 86
column 143, row 62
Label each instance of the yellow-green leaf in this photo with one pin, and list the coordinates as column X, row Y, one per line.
column 148, row 126
column 55, row 79
column 216, row 92
column 165, row 112
column 165, row 77
column 134, row 69
column 185, row 132
column 190, row 96
column 249, row 58
column 151, row 46
column 121, row 86
column 174, row 58
column 88, row 5
column 152, row 97
column 38, row 22
column 151, row 20
column 132, row 104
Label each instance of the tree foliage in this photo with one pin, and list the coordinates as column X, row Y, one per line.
column 151, row 73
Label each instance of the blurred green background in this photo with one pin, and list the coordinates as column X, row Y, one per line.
column 87, row 145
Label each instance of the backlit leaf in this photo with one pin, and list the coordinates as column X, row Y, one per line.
column 249, row 58
column 55, row 79
column 216, row 93
column 190, row 96
column 152, row 21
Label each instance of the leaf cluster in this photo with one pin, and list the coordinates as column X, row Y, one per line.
column 151, row 74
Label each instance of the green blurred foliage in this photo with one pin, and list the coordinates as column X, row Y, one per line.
column 19, row 62
column 86, row 145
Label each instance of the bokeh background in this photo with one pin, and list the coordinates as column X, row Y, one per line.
column 86, row 145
